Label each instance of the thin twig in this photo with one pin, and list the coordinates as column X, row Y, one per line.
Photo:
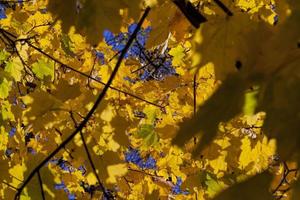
column 15, row 50
column 107, row 196
column 283, row 180
column 83, row 74
column 9, row 185
column 91, row 72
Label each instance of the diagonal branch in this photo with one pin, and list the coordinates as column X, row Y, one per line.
column 223, row 7
column 93, row 109
column 190, row 12
column 9, row 185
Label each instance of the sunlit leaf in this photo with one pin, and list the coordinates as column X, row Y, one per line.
column 14, row 68
column 5, row 87
column 43, row 68
column 115, row 171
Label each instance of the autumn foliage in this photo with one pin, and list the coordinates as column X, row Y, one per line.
column 149, row 99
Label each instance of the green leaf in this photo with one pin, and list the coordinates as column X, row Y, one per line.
column 6, row 113
column 5, row 87
column 147, row 133
column 43, row 68
column 250, row 102
column 213, row 186
column 3, row 56
column 14, row 67
column 66, row 45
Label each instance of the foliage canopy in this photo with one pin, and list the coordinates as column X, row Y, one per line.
column 149, row 99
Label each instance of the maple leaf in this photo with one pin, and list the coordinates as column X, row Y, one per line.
column 4, row 88
column 14, row 68
column 43, row 69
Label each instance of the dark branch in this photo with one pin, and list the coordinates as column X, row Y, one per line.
column 12, row 44
column 41, row 184
column 9, row 185
column 190, row 12
column 223, row 7
column 91, row 112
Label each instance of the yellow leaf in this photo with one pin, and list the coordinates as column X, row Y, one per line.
column 5, row 87
column 91, row 179
column 107, row 114
column 115, row 171
column 258, row 156
column 17, row 171
column 6, row 113
column 150, row 3
column 3, row 138
column 113, row 145
column 178, row 54
column 219, row 164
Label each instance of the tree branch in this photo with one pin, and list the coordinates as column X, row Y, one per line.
column 190, row 12
column 223, row 7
